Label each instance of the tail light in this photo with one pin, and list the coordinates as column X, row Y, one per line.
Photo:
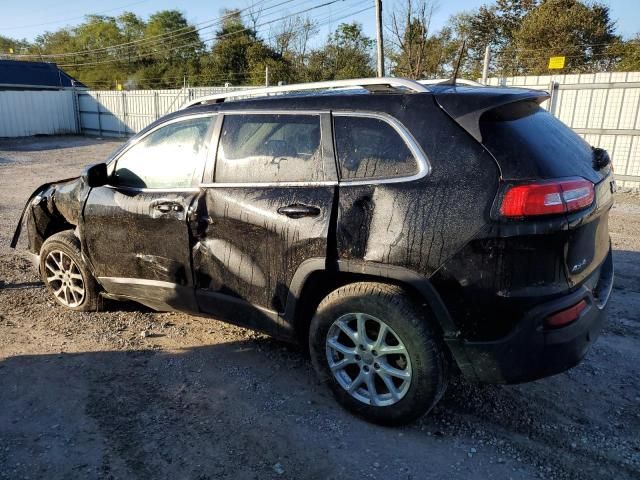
column 547, row 197
column 565, row 317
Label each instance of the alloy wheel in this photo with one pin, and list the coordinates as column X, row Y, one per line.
column 368, row 359
column 64, row 278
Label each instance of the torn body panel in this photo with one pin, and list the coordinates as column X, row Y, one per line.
column 51, row 208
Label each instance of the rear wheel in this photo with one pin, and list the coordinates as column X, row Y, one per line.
column 378, row 352
column 65, row 273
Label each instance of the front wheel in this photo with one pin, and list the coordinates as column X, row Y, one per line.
column 378, row 352
column 65, row 273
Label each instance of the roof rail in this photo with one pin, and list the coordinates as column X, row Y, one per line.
column 371, row 84
column 459, row 81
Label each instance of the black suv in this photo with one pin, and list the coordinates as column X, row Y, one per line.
column 403, row 231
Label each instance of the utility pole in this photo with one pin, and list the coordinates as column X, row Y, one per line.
column 380, row 46
column 266, row 76
column 485, row 65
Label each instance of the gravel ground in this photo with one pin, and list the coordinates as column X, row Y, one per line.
column 88, row 396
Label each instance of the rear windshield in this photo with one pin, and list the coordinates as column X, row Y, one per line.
column 529, row 142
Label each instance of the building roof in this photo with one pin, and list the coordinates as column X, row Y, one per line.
column 34, row 76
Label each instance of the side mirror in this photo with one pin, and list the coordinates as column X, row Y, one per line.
column 95, row 175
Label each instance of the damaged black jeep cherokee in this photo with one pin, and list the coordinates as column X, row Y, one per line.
column 402, row 230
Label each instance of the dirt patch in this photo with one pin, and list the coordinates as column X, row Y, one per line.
column 87, row 396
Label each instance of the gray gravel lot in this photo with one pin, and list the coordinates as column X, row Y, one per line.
column 84, row 395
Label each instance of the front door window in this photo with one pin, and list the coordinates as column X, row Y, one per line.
column 170, row 157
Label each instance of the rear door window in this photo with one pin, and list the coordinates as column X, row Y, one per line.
column 370, row 148
column 169, row 157
column 268, row 148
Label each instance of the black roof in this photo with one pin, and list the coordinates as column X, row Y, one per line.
column 34, row 76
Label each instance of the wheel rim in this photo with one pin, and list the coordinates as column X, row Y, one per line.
column 368, row 359
column 64, row 278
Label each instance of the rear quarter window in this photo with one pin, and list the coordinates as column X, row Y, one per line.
column 370, row 148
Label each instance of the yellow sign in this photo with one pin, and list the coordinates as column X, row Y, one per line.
column 556, row 63
column 119, row 86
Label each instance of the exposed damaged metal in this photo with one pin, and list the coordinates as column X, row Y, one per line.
column 52, row 208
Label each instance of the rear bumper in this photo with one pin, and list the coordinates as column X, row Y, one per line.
column 530, row 351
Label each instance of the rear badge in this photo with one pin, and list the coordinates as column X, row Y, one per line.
column 579, row 266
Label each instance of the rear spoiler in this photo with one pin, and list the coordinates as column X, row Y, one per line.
column 466, row 105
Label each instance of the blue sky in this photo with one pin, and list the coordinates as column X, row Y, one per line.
column 28, row 18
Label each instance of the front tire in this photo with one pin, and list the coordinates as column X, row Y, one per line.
column 66, row 275
column 378, row 352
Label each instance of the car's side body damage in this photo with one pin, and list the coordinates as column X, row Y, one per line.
column 226, row 250
column 51, row 208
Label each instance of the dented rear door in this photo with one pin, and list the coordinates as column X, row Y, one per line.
column 265, row 212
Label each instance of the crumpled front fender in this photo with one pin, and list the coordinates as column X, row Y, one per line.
column 50, row 207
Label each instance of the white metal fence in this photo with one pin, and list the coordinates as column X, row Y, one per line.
column 25, row 113
column 122, row 113
column 602, row 107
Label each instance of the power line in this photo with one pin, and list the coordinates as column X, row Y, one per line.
column 162, row 81
column 217, row 37
column 223, row 76
column 154, row 38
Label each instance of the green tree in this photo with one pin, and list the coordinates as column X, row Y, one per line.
column 347, row 54
column 127, row 50
column 132, row 30
column 227, row 61
column 628, row 53
column 159, row 52
column 239, row 57
column 171, row 38
column 580, row 32
column 415, row 51
column 13, row 46
column 290, row 40
column 494, row 25
column 98, row 32
column 170, row 51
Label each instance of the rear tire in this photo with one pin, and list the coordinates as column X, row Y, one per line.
column 66, row 275
column 402, row 375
